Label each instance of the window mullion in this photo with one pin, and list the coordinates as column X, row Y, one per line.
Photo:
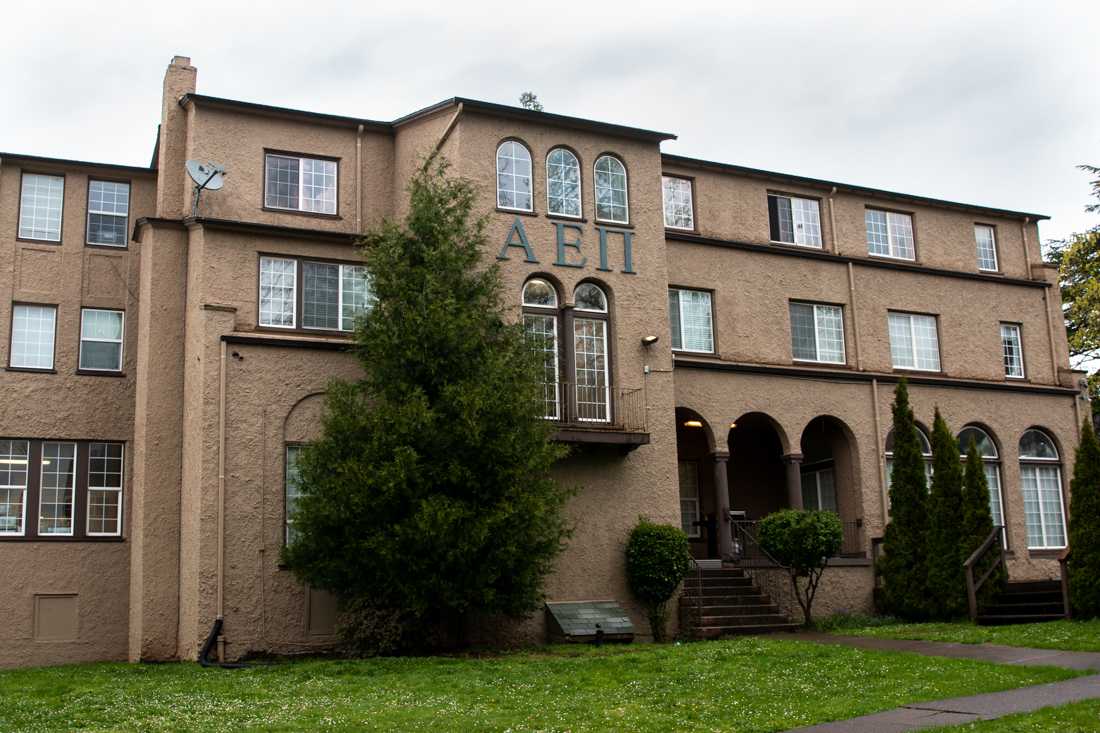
column 817, row 335
column 301, row 184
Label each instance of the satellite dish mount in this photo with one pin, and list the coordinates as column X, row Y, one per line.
column 207, row 176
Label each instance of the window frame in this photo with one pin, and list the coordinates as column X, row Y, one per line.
column 288, row 522
column 553, row 312
column 696, row 530
column 530, row 176
column 25, row 488
column 300, row 157
column 913, row 342
column 1034, row 463
column 792, row 198
column 713, row 336
column 1019, row 348
column 299, row 293
column 988, row 460
column 52, row 369
column 890, row 245
column 664, row 201
column 73, row 489
column 88, row 489
column 817, row 339
column 816, row 472
column 595, row 190
column 580, row 184
column 80, row 368
column 993, row 241
column 604, row 318
column 23, row 173
column 88, row 212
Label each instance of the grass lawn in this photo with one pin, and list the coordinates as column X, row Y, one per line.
column 1074, row 636
column 1079, row 717
column 748, row 684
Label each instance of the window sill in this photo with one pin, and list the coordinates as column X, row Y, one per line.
column 53, row 242
column 517, row 212
column 892, row 258
column 320, row 332
column 298, row 212
column 566, row 218
column 30, row 370
column 796, row 245
column 689, row 352
column 39, row 538
column 914, row 370
column 1051, row 553
column 114, row 247
column 823, row 364
column 614, row 224
column 681, row 230
column 97, row 373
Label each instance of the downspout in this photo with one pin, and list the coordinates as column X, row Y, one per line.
column 879, row 453
column 221, row 502
column 855, row 315
column 832, row 220
column 1027, row 249
column 359, row 179
column 443, row 138
column 1046, row 304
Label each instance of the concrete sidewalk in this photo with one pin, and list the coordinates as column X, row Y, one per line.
column 960, row 710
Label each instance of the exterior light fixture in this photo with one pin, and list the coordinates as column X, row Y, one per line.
column 650, row 340
column 733, row 425
column 693, row 423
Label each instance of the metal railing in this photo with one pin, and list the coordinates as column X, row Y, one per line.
column 763, row 573
column 990, row 553
column 595, row 407
column 851, row 544
column 1063, row 563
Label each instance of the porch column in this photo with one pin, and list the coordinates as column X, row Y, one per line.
column 722, row 503
column 793, row 463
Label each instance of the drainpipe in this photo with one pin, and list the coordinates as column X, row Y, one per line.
column 221, row 504
column 855, row 315
column 446, row 134
column 832, row 220
column 879, row 458
column 359, row 180
column 1027, row 249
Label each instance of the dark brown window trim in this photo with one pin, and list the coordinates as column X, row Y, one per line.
column 1052, row 553
column 300, row 156
column 299, row 294
column 295, row 341
column 299, row 212
column 615, row 225
column 96, row 373
column 694, row 209
column 566, row 218
column 29, row 370
column 88, row 209
column 108, row 247
column 19, row 210
column 713, row 321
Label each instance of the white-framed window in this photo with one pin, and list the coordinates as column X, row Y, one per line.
column 108, row 213
column 890, row 234
column 514, row 177
column 689, row 498
column 925, row 452
column 986, row 240
column 611, row 190
column 540, row 322
column 819, row 489
column 56, row 488
column 1041, row 485
column 794, row 220
column 41, row 202
column 101, row 335
column 593, row 388
column 991, row 465
column 914, row 342
column 817, row 333
column 1012, row 350
column 679, row 210
column 14, row 461
column 563, row 183
column 32, row 336
column 278, row 292
column 691, row 320
column 333, row 295
column 300, row 184
column 104, row 489
column 293, row 487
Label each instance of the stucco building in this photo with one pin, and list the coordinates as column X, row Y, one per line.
column 163, row 362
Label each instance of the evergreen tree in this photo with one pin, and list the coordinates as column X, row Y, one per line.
column 904, row 566
column 946, row 538
column 1084, row 527
column 978, row 519
column 429, row 495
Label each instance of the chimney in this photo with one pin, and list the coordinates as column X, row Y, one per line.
column 179, row 79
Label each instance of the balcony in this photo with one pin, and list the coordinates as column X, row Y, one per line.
column 594, row 415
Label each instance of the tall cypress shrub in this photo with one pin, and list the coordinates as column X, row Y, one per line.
column 946, row 537
column 1084, row 527
column 978, row 519
column 904, row 567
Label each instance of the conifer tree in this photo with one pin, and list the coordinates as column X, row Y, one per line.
column 1084, row 527
column 904, row 566
column 429, row 496
column 946, row 538
column 978, row 519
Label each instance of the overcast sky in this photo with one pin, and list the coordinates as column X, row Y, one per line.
column 983, row 102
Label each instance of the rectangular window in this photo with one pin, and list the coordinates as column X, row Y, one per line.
column 55, row 494
column 890, row 234
column 278, row 287
column 293, row 487
column 1042, row 490
column 40, row 206
column 817, row 333
column 14, row 459
column 593, row 393
column 987, row 247
column 689, row 498
column 690, row 318
column 300, row 184
column 914, row 342
column 100, row 340
column 542, row 333
column 819, row 490
column 794, row 220
column 332, row 295
column 679, row 213
column 104, row 489
column 108, row 213
column 32, row 336
column 1012, row 349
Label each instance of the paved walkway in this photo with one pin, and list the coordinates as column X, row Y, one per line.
column 975, row 707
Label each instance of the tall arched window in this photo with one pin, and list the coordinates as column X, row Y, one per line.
column 610, row 187
column 563, row 183
column 925, row 450
column 991, row 462
column 540, row 321
column 1041, row 485
column 514, row 176
column 593, row 392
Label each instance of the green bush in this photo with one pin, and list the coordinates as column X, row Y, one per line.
column 1084, row 527
column 802, row 542
column 658, row 558
column 946, row 516
column 845, row 621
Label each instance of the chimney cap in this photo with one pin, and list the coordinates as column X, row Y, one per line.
column 181, row 61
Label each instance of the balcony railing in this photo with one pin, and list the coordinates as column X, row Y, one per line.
column 851, row 544
column 585, row 411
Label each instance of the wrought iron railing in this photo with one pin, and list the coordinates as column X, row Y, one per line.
column 762, row 572
column 983, row 562
column 595, row 407
column 851, row 544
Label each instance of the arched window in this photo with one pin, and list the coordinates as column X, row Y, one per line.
column 540, row 321
column 1041, row 485
column 563, row 183
column 593, row 389
column 514, row 176
column 991, row 462
column 925, row 450
column 610, row 187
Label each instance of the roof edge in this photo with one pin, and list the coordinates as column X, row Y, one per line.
column 287, row 112
column 81, row 163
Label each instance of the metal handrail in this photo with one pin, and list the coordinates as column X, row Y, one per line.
column 1063, row 561
column 767, row 581
column 995, row 539
column 606, row 407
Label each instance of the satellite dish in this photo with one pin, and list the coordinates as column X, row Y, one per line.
column 208, row 176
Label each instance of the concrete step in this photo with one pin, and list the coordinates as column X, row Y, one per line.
column 750, row 619
column 738, row 590
column 1021, row 609
column 723, row 573
column 715, row 632
column 718, row 583
column 736, row 609
column 1002, row 619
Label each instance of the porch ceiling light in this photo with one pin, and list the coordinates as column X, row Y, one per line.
column 693, row 423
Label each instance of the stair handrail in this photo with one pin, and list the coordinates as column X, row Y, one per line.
column 764, row 580
column 1063, row 562
column 995, row 539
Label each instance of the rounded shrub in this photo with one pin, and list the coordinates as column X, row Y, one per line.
column 802, row 542
column 658, row 557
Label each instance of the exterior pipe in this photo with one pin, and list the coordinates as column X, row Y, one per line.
column 879, row 453
column 359, row 180
column 221, row 504
column 832, row 221
column 855, row 315
column 1027, row 249
column 446, row 134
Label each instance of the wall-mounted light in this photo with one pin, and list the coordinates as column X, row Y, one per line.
column 733, row 425
column 693, row 423
column 650, row 340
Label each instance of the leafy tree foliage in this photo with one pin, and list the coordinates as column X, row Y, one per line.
column 802, row 542
column 1084, row 527
column 904, row 565
column 658, row 558
column 978, row 519
column 946, row 537
column 429, row 496
column 530, row 100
